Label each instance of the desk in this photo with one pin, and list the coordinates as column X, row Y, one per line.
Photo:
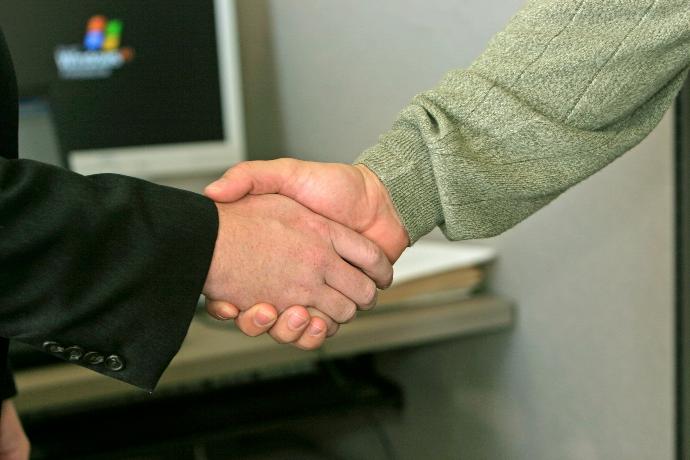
column 211, row 352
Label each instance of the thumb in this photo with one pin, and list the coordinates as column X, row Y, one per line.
column 251, row 177
column 234, row 184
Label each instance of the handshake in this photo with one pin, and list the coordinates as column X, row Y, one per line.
column 301, row 247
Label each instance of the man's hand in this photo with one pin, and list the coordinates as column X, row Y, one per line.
column 271, row 249
column 304, row 328
column 14, row 444
column 350, row 195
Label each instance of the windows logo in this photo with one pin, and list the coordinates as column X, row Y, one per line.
column 100, row 55
column 102, row 35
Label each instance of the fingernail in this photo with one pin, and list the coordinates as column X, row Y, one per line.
column 315, row 330
column 296, row 321
column 263, row 318
column 226, row 313
column 214, row 186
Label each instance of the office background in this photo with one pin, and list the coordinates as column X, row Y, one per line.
column 588, row 371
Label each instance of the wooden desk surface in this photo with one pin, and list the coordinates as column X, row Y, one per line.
column 211, row 352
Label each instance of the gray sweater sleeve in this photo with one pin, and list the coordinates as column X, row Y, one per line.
column 565, row 89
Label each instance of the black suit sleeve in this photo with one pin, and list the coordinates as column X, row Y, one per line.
column 7, row 388
column 109, row 264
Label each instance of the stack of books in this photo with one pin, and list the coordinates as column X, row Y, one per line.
column 433, row 273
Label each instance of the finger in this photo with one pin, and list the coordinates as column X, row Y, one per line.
column 290, row 325
column 221, row 310
column 331, row 326
column 257, row 320
column 335, row 305
column 362, row 253
column 351, row 283
column 255, row 177
column 314, row 336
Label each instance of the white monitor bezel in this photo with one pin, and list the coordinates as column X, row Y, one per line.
column 185, row 159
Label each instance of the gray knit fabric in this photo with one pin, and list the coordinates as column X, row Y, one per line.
column 565, row 89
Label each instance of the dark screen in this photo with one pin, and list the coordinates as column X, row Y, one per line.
column 165, row 89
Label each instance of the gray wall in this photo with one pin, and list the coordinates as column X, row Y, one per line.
column 587, row 372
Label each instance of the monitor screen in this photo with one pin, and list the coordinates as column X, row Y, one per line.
column 123, row 73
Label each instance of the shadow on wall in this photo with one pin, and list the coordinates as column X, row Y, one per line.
column 455, row 406
column 455, row 403
column 263, row 120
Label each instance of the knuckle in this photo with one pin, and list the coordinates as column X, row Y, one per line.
column 347, row 313
column 372, row 256
column 369, row 295
column 319, row 226
column 332, row 329
column 317, row 257
column 286, row 162
column 388, row 278
column 239, row 169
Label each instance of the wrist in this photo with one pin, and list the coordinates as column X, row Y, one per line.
column 387, row 226
column 214, row 267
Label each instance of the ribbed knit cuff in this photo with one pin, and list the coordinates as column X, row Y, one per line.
column 409, row 180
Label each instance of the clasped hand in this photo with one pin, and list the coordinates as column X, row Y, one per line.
column 298, row 265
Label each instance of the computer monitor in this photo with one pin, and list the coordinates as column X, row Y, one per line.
column 148, row 88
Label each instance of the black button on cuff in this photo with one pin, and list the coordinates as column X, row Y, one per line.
column 94, row 358
column 53, row 347
column 74, row 353
column 114, row 363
